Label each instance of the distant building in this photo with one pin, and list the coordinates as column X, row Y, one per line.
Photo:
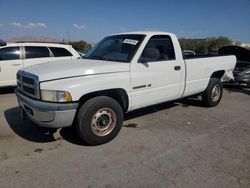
column 245, row 45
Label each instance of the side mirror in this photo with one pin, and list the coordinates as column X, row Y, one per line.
column 149, row 54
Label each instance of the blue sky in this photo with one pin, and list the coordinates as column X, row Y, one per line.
column 92, row 20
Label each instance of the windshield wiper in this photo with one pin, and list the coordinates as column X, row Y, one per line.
column 105, row 59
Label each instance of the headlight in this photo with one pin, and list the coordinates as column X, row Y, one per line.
column 55, row 96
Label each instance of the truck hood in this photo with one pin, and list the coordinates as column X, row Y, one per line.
column 74, row 68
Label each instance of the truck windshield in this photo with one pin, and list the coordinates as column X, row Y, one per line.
column 121, row 48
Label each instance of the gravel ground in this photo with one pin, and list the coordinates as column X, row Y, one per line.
column 177, row 144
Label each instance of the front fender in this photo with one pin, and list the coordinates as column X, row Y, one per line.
column 79, row 86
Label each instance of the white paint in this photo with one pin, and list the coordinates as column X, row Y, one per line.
column 159, row 81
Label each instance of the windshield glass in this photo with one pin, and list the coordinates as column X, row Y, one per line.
column 120, row 48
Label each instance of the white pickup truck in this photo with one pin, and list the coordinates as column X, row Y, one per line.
column 121, row 73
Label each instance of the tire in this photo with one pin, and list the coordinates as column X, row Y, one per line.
column 99, row 120
column 213, row 94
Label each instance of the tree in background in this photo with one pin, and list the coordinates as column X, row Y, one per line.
column 214, row 43
column 81, row 46
column 204, row 46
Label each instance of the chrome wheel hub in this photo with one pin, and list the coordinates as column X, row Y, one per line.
column 216, row 92
column 103, row 122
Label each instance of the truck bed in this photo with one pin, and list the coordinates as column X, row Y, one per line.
column 200, row 67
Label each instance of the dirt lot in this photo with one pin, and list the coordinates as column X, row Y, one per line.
column 179, row 144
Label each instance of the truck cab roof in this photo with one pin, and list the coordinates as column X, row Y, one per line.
column 145, row 33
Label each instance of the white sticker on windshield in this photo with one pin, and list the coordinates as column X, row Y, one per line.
column 130, row 41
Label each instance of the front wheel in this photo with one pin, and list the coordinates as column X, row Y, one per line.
column 99, row 120
column 213, row 94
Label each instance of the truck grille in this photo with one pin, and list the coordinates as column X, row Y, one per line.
column 28, row 83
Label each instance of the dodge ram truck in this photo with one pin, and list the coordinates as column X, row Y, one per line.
column 123, row 72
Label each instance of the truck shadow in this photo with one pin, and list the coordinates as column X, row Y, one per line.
column 27, row 129
column 149, row 110
column 34, row 133
column 237, row 88
column 7, row 90
column 70, row 135
column 192, row 101
column 31, row 132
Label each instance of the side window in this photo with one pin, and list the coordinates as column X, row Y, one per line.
column 159, row 48
column 9, row 53
column 36, row 52
column 60, row 52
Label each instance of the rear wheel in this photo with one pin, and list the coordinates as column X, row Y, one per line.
column 213, row 94
column 99, row 120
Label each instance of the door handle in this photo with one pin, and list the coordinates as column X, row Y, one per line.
column 16, row 64
column 176, row 68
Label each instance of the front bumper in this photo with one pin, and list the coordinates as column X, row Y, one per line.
column 46, row 114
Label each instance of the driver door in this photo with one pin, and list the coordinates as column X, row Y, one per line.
column 156, row 77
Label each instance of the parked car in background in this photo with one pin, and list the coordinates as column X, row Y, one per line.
column 242, row 69
column 15, row 56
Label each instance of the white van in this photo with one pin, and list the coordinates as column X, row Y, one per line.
column 15, row 56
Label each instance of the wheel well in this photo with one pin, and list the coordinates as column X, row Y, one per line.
column 218, row 74
column 119, row 95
